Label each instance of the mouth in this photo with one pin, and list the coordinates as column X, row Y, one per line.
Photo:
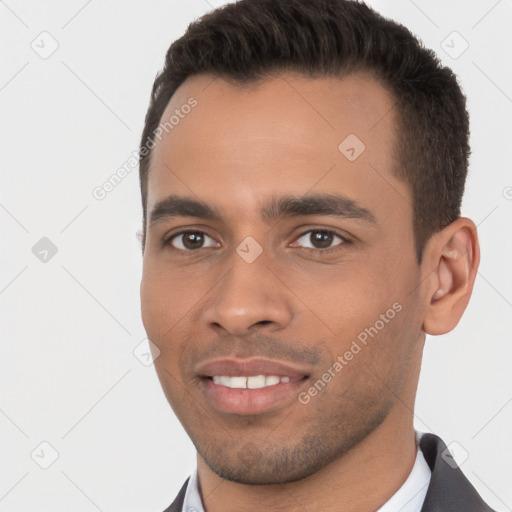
column 250, row 387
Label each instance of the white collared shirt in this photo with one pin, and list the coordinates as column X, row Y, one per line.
column 411, row 495
column 409, row 498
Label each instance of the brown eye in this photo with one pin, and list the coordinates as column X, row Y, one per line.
column 191, row 240
column 320, row 239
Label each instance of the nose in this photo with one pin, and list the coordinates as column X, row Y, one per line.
column 248, row 295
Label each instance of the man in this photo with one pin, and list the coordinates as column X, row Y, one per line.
column 302, row 169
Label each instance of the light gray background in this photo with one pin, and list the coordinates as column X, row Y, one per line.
column 69, row 326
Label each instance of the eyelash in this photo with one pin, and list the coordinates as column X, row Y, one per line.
column 345, row 241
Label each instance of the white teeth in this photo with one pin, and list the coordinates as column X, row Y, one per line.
column 252, row 382
column 223, row 381
column 256, row 381
column 238, row 382
column 270, row 380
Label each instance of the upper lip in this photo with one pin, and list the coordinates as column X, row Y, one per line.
column 248, row 367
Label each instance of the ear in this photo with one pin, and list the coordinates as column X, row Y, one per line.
column 451, row 258
column 139, row 236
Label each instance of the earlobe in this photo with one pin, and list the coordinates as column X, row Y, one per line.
column 453, row 258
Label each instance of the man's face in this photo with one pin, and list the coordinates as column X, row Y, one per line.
column 247, row 295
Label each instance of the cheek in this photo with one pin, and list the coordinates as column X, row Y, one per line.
column 159, row 311
column 159, row 317
column 169, row 305
column 165, row 297
column 362, row 309
column 346, row 297
column 150, row 304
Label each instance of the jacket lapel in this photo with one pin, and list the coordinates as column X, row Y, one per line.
column 449, row 489
column 177, row 504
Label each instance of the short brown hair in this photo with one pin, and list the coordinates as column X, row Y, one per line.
column 252, row 39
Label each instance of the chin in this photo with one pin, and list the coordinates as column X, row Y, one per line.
column 253, row 465
column 260, row 476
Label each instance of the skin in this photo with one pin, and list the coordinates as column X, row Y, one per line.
column 352, row 443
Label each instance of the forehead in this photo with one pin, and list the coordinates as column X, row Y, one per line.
column 287, row 132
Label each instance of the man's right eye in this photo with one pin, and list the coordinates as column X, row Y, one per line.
column 189, row 241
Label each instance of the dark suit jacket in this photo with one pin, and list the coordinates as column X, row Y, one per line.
column 449, row 489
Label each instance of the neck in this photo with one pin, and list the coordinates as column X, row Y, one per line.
column 362, row 480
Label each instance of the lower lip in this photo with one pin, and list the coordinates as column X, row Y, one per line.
column 250, row 401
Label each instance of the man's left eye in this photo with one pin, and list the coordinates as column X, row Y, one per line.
column 320, row 239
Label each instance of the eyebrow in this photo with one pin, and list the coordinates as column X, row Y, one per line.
column 331, row 205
